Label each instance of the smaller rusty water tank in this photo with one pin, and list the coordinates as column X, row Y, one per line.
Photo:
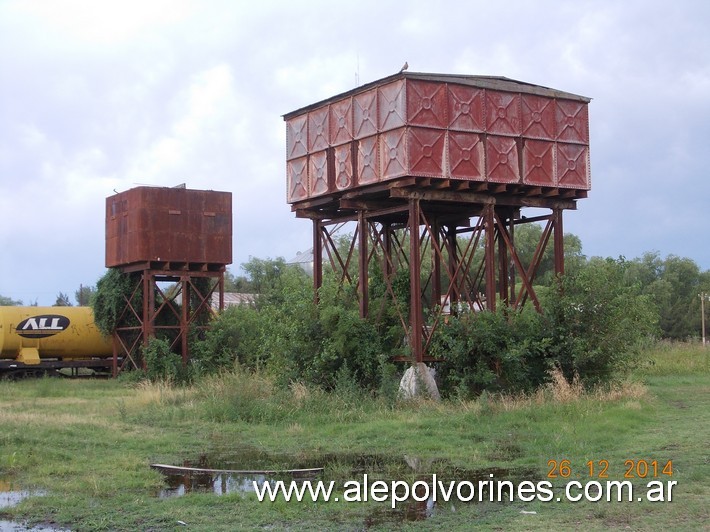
column 176, row 227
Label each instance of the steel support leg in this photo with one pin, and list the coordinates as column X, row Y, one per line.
column 317, row 258
column 559, row 243
column 490, row 261
column 363, row 237
column 415, row 290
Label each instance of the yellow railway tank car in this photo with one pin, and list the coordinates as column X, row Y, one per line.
column 37, row 339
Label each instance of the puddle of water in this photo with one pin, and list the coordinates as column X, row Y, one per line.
column 422, row 508
column 221, row 481
column 9, row 496
column 217, row 483
column 14, row 526
column 236, row 471
column 219, row 475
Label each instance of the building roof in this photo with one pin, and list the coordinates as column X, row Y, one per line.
column 232, row 299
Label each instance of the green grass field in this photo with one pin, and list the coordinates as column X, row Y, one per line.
column 88, row 445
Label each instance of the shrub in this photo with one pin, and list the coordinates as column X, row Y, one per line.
column 162, row 363
column 592, row 329
column 113, row 290
column 596, row 323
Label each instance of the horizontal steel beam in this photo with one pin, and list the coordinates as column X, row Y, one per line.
column 481, row 199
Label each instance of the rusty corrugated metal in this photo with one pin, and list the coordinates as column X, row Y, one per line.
column 169, row 225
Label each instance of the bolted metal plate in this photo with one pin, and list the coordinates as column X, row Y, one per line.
column 426, row 151
column 538, row 117
column 368, row 170
column 466, row 106
column 297, row 176
column 426, row 104
column 297, row 137
column 502, row 160
column 365, row 114
column 317, row 173
column 572, row 121
column 539, row 163
column 393, row 154
column 466, row 156
column 573, row 166
column 341, row 122
column 343, row 167
column 503, row 113
column 318, row 131
column 392, row 109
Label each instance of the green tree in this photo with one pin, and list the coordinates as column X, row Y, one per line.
column 84, row 295
column 9, row 302
column 673, row 284
column 527, row 236
column 237, row 283
column 62, row 300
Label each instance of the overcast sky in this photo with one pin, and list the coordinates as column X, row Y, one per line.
column 97, row 96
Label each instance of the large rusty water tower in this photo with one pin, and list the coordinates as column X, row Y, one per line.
column 177, row 242
column 437, row 168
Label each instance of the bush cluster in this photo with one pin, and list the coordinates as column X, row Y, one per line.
column 593, row 323
column 591, row 329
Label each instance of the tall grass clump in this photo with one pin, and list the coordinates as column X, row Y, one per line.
column 676, row 358
column 255, row 397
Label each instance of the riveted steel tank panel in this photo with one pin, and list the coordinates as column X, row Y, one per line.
column 343, row 156
column 318, row 174
column 297, row 137
column 490, row 129
column 368, row 168
column 318, row 129
column 163, row 224
column 572, row 166
column 392, row 106
column 365, row 114
column 427, row 151
column 466, row 108
column 538, row 117
column 572, row 122
column 341, row 122
column 426, row 104
column 539, row 163
column 297, row 175
column 466, row 156
column 393, row 154
column 502, row 160
column 503, row 113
